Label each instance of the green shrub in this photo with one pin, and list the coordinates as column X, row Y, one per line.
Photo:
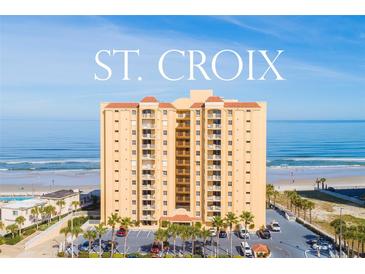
column 93, row 255
column 2, row 240
column 187, row 256
column 61, row 254
column 13, row 241
column 28, row 232
column 197, row 256
column 238, row 257
column 106, row 255
column 118, row 255
column 165, row 223
column 224, row 256
column 83, row 254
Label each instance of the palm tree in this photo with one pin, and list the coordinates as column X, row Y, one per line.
column 275, row 194
column 20, row 220
column 173, row 231
column 231, row 219
column 204, row 234
column 75, row 205
column 194, row 234
column 35, row 211
column 2, row 226
column 184, row 234
column 49, row 211
column 247, row 218
column 75, row 232
column 13, row 228
column 100, row 230
column 65, row 230
column 126, row 223
column 310, row 206
column 218, row 223
column 269, row 192
column 60, row 204
column 161, row 236
column 90, row 235
column 113, row 220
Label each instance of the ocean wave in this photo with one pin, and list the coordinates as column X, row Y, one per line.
column 35, row 162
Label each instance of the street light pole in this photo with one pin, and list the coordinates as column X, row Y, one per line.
column 340, row 232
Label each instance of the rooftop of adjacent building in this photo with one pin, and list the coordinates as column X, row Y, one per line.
column 59, row 194
column 24, row 204
column 197, row 99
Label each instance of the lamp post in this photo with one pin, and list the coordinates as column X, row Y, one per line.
column 340, row 232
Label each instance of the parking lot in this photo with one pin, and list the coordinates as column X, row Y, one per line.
column 289, row 243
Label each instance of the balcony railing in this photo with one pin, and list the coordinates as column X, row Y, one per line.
column 148, row 156
column 218, row 147
column 147, row 217
column 148, row 187
column 148, row 176
column 148, row 126
column 183, row 116
column 214, row 115
column 148, row 197
column 214, row 208
column 214, row 157
column 148, row 115
column 214, row 178
column 148, row 207
column 148, row 136
column 214, row 188
column 217, row 126
column 214, row 198
column 214, row 167
column 148, row 146
column 214, row 136
column 148, row 167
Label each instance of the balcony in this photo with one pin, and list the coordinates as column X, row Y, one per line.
column 183, row 144
column 214, row 167
column 214, row 198
column 214, row 188
column 148, row 167
column 148, row 115
column 148, row 136
column 148, row 197
column 148, row 187
column 147, row 217
column 213, row 147
column 182, row 163
column 148, row 177
column 214, row 178
column 148, row 156
column 183, row 172
column 214, row 157
column 214, row 208
column 215, row 126
column 214, row 136
column 183, row 190
column 148, row 126
column 183, row 153
column 183, row 135
column 183, row 125
column 148, row 207
column 183, row 116
column 148, row 146
column 214, row 115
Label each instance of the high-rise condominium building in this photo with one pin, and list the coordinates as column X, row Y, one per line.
column 185, row 161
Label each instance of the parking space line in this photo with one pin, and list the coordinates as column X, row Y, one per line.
column 138, row 233
column 148, row 234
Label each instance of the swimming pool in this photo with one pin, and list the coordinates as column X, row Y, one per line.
column 14, row 198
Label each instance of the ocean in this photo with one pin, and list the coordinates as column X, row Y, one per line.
column 74, row 145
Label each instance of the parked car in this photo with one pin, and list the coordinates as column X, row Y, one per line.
column 107, row 246
column 222, row 234
column 264, row 233
column 289, row 216
column 213, row 232
column 155, row 249
column 198, row 248
column 121, row 232
column 246, row 249
column 274, row 226
column 243, row 233
column 322, row 244
column 84, row 246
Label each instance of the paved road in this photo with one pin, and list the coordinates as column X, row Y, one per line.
column 289, row 243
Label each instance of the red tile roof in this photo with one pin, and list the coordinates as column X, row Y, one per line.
column 241, row 105
column 165, row 105
column 149, row 99
column 260, row 248
column 197, row 105
column 180, row 218
column 122, row 105
column 214, row 99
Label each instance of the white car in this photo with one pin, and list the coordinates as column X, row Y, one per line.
column 246, row 249
column 243, row 233
column 213, row 232
column 274, row 226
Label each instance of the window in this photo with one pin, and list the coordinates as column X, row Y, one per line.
column 134, row 152
column 134, row 212
column 198, row 143
column 247, row 183
column 197, row 183
column 165, row 183
column 164, row 123
column 134, row 142
column 198, row 122
column 198, row 153
column 197, row 173
column 248, row 121
column 229, row 173
column 229, row 122
column 117, row 161
column 165, row 142
column 198, row 163
column 247, row 172
column 198, row 193
column 164, row 163
column 116, row 121
column 229, row 183
column 165, row 203
column 117, row 141
column 197, row 213
column 247, row 203
column 116, row 110
column 198, row 132
column 117, row 150
column 198, row 113
column 229, row 153
column 165, row 192
column 165, row 213
column 134, row 172
column 116, row 131
column 249, row 110
column 229, row 203
column 117, row 201
column 15, row 213
column 229, row 193
column 134, row 112
column 248, row 131
column 165, row 152
column 197, row 203
column 116, row 190
column 230, row 112
column 229, row 143
column 229, row 163
column 134, row 182
column 134, row 132
column 248, row 142
column 134, row 202
column 248, row 162
column 229, row 132
column 117, row 181
column 134, row 192
column 164, row 173
column 248, row 193
column 117, row 210
column 165, row 112
column 133, row 122
column 116, row 170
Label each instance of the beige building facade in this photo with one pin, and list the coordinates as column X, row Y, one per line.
column 185, row 161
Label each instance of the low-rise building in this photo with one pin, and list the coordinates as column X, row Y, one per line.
column 68, row 196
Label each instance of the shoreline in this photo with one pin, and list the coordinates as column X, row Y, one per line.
column 285, row 178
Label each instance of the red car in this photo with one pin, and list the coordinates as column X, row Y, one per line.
column 155, row 249
column 121, row 232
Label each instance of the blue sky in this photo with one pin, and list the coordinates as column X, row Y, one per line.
column 47, row 63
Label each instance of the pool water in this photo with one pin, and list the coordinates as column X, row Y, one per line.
column 14, row 198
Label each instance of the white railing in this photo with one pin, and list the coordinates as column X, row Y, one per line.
column 214, row 208
column 148, row 187
column 214, row 157
column 148, row 207
column 150, row 115
column 148, row 197
column 148, row 146
column 214, row 115
column 148, row 167
column 214, row 146
column 214, row 167
column 148, row 136
column 214, row 198
column 214, row 126
column 214, row 136
column 148, row 126
column 214, row 177
column 214, row 188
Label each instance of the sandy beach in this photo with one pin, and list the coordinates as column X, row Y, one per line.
column 39, row 182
